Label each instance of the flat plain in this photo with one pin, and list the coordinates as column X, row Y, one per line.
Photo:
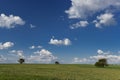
column 58, row 72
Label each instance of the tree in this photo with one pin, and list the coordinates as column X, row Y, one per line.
column 101, row 63
column 56, row 62
column 21, row 60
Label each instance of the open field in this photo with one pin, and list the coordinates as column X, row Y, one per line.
column 57, row 72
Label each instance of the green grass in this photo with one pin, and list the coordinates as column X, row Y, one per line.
column 58, row 72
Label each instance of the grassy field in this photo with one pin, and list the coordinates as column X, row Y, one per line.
column 57, row 72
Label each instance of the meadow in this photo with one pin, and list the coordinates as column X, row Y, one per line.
column 58, row 72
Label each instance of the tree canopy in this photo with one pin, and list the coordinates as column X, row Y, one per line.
column 101, row 63
column 21, row 60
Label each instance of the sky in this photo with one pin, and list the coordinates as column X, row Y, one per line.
column 68, row 31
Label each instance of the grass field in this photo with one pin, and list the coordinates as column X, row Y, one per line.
column 57, row 72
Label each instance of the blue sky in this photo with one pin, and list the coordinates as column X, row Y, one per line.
column 69, row 31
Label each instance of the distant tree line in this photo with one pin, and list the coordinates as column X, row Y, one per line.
column 100, row 63
column 21, row 61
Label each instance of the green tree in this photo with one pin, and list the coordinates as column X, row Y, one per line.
column 101, row 63
column 56, row 62
column 21, row 60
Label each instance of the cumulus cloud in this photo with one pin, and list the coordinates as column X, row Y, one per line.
column 10, row 21
column 85, row 8
column 88, row 9
column 112, row 58
column 106, row 19
column 6, row 45
column 35, row 47
column 2, row 58
column 65, row 42
column 19, row 53
column 100, row 51
column 79, row 24
column 42, row 56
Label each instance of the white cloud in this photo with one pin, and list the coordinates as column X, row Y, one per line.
column 111, row 58
column 6, row 45
column 106, row 19
column 33, row 47
column 65, row 42
column 42, row 56
column 19, row 53
column 32, row 26
column 43, row 52
column 100, row 51
column 85, row 8
column 79, row 24
column 2, row 58
column 81, row 60
column 10, row 21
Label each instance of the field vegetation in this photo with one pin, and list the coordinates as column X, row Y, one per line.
column 58, row 72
